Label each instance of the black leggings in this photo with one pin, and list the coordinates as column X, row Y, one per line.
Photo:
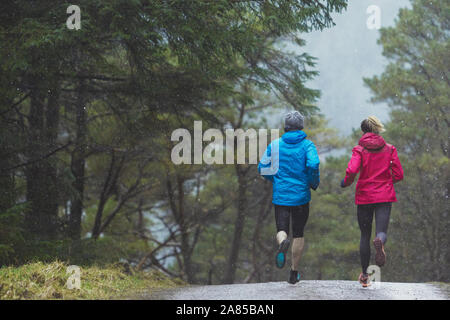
column 365, row 216
column 299, row 215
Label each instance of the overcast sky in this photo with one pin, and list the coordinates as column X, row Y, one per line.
column 346, row 53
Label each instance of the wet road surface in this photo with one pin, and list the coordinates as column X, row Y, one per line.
column 304, row 290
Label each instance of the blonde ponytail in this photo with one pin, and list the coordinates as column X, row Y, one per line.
column 372, row 124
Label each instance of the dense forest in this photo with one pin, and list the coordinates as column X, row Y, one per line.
column 86, row 118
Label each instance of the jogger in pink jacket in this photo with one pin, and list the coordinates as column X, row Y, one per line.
column 379, row 168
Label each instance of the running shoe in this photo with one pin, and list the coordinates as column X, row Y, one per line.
column 294, row 277
column 380, row 255
column 364, row 280
column 280, row 258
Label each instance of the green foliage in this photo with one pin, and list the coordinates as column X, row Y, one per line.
column 11, row 234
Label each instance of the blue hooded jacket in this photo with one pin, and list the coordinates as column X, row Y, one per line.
column 292, row 164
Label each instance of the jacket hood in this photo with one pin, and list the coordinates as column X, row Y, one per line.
column 372, row 141
column 294, row 136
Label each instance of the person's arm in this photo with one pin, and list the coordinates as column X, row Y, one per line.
column 312, row 166
column 353, row 167
column 396, row 166
column 265, row 162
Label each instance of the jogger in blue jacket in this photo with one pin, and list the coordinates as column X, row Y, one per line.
column 291, row 163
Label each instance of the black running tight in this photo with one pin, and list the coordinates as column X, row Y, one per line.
column 365, row 212
column 299, row 216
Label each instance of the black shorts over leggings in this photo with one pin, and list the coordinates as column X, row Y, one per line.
column 299, row 215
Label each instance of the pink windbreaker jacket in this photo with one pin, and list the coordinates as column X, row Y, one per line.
column 380, row 169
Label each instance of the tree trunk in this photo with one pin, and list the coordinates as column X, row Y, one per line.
column 186, row 249
column 180, row 219
column 41, row 176
column 230, row 270
column 7, row 184
column 258, row 258
column 78, row 165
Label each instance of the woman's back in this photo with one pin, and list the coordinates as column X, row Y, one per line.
column 374, row 159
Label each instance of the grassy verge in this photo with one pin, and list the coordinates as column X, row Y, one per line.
column 49, row 281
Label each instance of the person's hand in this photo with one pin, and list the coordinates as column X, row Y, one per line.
column 343, row 183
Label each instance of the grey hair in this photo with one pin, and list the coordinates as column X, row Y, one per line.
column 293, row 120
